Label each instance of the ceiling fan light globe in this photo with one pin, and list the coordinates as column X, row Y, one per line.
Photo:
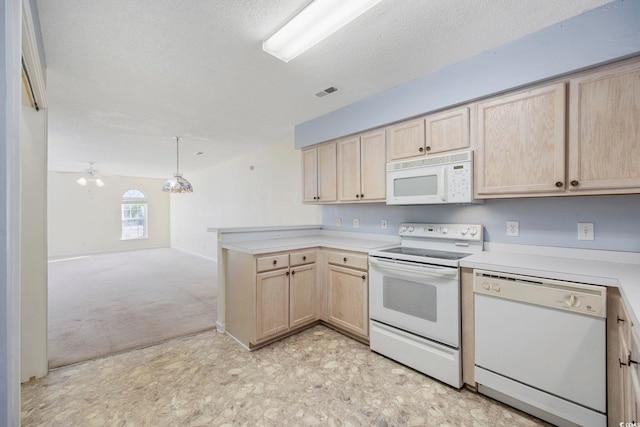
column 82, row 181
column 99, row 182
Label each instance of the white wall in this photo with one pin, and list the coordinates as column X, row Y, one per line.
column 10, row 213
column 231, row 194
column 81, row 222
column 33, row 256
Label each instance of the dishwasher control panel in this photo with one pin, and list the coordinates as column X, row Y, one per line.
column 577, row 297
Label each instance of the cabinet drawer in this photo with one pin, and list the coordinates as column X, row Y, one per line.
column 349, row 259
column 302, row 257
column 272, row 262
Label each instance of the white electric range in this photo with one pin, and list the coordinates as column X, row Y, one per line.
column 414, row 297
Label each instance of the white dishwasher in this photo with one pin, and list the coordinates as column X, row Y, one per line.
column 540, row 346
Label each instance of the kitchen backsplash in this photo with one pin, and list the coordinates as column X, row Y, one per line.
column 542, row 221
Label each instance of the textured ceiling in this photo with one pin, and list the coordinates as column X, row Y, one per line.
column 125, row 76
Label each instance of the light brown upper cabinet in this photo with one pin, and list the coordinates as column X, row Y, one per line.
column 406, row 139
column 604, row 132
column 520, row 140
column 319, row 173
column 362, row 167
column 447, row 131
column 436, row 133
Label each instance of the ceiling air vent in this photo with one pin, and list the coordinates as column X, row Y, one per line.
column 327, row 91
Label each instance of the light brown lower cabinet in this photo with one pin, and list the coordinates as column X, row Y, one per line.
column 302, row 295
column 348, row 293
column 623, row 356
column 269, row 296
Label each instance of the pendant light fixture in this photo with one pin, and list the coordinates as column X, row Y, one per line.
column 177, row 184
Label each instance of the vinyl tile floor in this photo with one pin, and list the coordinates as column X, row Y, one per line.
column 316, row 377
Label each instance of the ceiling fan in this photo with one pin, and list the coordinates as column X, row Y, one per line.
column 92, row 176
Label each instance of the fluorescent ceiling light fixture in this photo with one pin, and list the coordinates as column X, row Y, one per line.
column 318, row 20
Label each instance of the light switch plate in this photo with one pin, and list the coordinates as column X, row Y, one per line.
column 338, row 222
column 356, row 223
column 585, row 231
column 383, row 224
column 513, row 228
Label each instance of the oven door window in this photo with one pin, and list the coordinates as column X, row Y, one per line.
column 411, row 298
column 424, row 185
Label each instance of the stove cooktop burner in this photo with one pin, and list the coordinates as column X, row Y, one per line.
column 427, row 253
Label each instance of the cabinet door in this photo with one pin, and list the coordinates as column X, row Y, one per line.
column 349, row 169
column 447, row 131
column 327, row 190
column 406, row 139
column 632, row 398
column 604, row 137
column 521, row 143
column 349, row 300
column 272, row 304
column 617, row 348
column 302, row 288
column 373, row 166
column 310, row 175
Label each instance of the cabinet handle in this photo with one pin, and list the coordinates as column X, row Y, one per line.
column 559, row 184
column 318, row 198
column 421, row 149
column 304, row 258
column 428, row 148
column 364, row 277
column 361, row 196
column 574, row 183
column 621, row 363
column 275, row 262
column 631, row 361
column 357, row 196
column 287, row 273
column 293, row 272
column 345, row 259
column 619, row 319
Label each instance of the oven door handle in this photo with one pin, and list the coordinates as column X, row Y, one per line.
column 408, row 267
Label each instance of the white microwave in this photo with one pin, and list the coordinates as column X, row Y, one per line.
column 431, row 180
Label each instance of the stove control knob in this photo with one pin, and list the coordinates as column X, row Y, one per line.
column 411, row 229
column 486, row 286
column 403, row 229
column 474, row 231
column 464, row 231
column 445, row 230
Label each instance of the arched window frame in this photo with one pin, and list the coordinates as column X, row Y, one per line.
column 134, row 215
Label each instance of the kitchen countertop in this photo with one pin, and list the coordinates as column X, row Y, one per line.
column 606, row 268
column 325, row 239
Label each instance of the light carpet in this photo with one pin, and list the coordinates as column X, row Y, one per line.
column 104, row 304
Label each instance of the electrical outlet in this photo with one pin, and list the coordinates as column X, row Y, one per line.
column 338, row 222
column 513, row 228
column 383, row 224
column 585, row 231
column 356, row 223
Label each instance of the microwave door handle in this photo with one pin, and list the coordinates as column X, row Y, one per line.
column 404, row 267
column 441, row 184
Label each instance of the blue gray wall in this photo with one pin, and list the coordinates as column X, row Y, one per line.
column 544, row 222
column 601, row 35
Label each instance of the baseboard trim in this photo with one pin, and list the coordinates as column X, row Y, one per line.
column 194, row 254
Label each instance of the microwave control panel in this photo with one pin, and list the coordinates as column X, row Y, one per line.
column 459, row 182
